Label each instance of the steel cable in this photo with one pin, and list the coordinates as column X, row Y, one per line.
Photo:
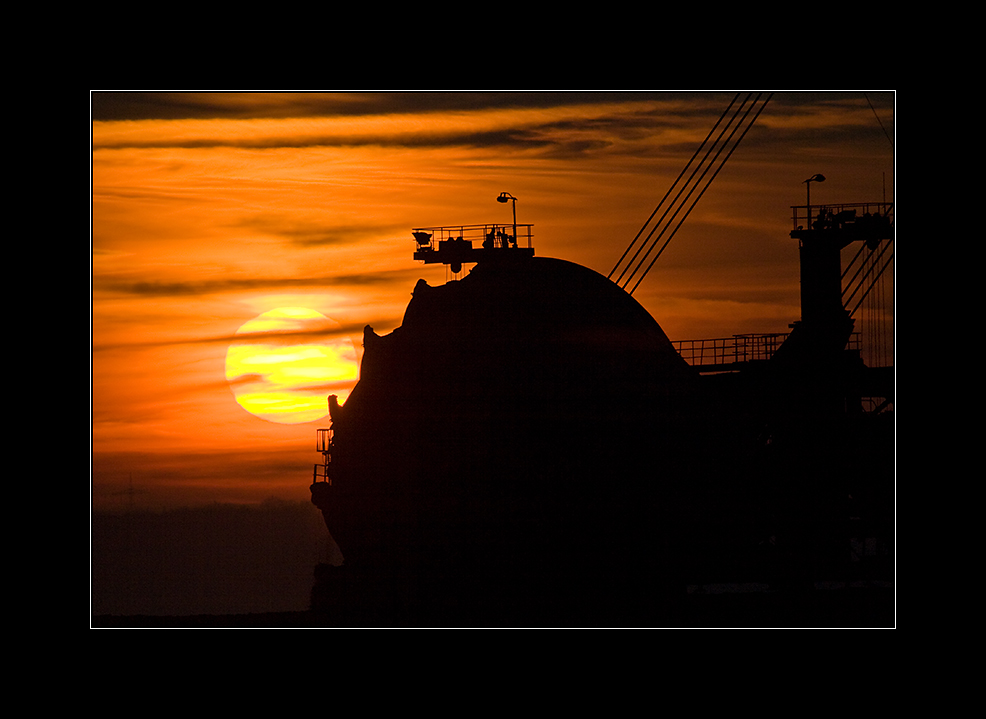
column 663, row 199
column 691, row 177
column 706, row 187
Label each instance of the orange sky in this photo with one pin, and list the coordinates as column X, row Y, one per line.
column 210, row 209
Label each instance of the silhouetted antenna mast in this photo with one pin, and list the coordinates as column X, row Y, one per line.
column 740, row 122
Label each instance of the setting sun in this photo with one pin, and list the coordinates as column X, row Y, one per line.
column 286, row 362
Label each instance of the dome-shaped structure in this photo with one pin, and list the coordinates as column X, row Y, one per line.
column 510, row 446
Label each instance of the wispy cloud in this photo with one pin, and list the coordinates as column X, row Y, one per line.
column 119, row 106
column 339, row 331
column 191, row 288
column 304, row 232
column 559, row 123
column 520, row 121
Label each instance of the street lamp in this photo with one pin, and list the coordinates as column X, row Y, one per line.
column 507, row 197
column 813, row 178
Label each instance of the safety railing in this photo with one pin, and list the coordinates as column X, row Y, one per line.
column 488, row 236
column 729, row 350
column 323, row 443
column 868, row 217
column 722, row 352
column 320, row 473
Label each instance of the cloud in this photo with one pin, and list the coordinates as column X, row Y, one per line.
column 339, row 331
column 118, row 106
column 304, row 233
column 245, row 379
column 197, row 288
column 521, row 121
column 326, row 388
column 274, row 137
column 169, row 477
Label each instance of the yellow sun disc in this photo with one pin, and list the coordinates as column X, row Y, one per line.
column 285, row 363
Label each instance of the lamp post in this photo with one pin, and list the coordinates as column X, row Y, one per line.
column 813, row 178
column 507, row 197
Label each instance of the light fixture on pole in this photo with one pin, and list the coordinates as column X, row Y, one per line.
column 813, row 178
column 507, row 197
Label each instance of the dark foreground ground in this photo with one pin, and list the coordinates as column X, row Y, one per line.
column 857, row 607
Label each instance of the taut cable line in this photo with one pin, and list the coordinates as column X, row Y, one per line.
column 873, row 282
column 684, row 188
column 867, row 269
column 735, row 129
column 666, row 195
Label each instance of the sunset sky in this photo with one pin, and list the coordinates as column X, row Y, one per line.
column 209, row 210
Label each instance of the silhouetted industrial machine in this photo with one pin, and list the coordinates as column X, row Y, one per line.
column 529, row 447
